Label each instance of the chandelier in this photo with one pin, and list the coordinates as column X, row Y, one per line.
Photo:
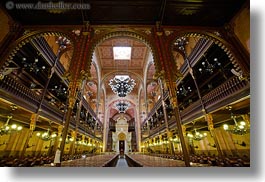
column 6, row 128
column 122, row 85
column 240, row 128
column 62, row 42
column 67, row 140
column 197, row 135
column 122, row 106
column 181, row 43
column 59, row 90
column 184, row 91
column 46, row 136
column 33, row 67
column 209, row 67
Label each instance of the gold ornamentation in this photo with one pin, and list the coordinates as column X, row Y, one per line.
column 183, row 127
column 168, row 32
column 209, row 119
column 33, row 119
column 71, row 102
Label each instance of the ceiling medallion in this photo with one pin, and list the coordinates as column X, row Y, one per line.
column 122, row 106
column 122, row 85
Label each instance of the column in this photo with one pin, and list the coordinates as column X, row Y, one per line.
column 6, row 46
column 161, row 143
column 168, row 71
column 72, row 144
column 169, row 134
column 57, row 140
column 209, row 119
column 72, row 100
column 33, row 119
column 183, row 128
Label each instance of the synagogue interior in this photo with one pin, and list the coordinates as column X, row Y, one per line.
column 140, row 83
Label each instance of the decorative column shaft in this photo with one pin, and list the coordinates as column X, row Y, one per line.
column 72, row 145
column 170, row 78
column 209, row 119
column 76, row 76
column 57, row 139
column 169, row 134
column 33, row 119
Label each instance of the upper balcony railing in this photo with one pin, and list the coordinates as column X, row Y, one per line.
column 21, row 95
column 233, row 88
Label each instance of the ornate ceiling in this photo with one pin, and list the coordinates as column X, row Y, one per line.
column 133, row 67
column 137, row 12
column 138, row 55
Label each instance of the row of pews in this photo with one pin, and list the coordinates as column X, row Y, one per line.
column 32, row 161
column 104, row 160
column 88, row 160
column 166, row 160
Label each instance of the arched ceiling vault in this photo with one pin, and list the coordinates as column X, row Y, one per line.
column 134, row 67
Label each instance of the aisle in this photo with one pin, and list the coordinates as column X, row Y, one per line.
column 122, row 163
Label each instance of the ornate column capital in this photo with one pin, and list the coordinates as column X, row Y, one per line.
column 34, row 117
column 209, row 119
column 71, row 102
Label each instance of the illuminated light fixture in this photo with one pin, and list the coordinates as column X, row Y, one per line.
column 33, row 66
column 59, row 90
column 183, row 91
column 122, row 53
column 197, row 135
column 240, row 128
column 62, row 42
column 67, row 140
column 181, row 43
column 8, row 129
column 209, row 67
column 122, row 106
column 84, row 143
column 122, row 85
column 46, row 136
column 176, row 140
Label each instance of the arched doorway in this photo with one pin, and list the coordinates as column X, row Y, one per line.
column 122, row 138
